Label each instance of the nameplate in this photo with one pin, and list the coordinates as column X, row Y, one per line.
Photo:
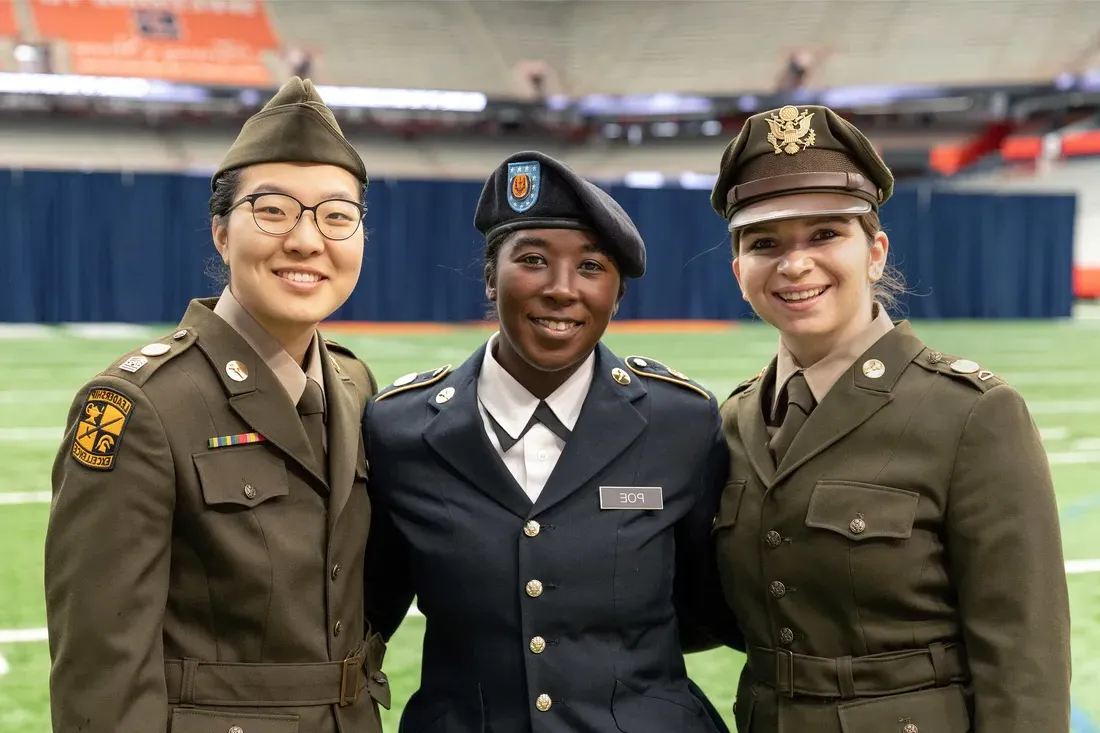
column 631, row 497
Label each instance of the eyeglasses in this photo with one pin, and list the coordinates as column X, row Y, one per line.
column 279, row 213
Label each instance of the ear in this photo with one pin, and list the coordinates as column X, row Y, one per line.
column 876, row 262
column 219, row 232
column 491, row 290
column 737, row 276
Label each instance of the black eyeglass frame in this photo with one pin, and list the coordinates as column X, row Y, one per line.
column 251, row 198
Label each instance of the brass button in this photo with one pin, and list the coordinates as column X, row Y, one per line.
column 542, row 702
column 774, row 539
column 534, row 588
column 249, row 491
column 786, row 636
column 532, row 528
column 337, row 628
column 910, row 728
column 778, row 589
column 336, row 571
column 857, row 525
column 236, row 729
column 538, row 644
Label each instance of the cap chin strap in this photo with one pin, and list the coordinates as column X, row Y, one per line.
column 852, row 183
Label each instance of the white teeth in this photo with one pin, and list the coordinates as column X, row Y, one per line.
column 299, row 277
column 803, row 295
column 555, row 325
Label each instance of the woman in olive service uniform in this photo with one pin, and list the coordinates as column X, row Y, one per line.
column 888, row 536
column 204, row 555
column 548, row 502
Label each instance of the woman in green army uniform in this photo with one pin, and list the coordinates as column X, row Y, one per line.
column 888, row 536
column 204, row 556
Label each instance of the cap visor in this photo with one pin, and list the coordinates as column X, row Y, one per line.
column 798, row 205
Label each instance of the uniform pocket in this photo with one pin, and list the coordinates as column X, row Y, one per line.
column 939, row 710
column 729, row 505
column 242, row 476
column 861, row 511
column 638, row 712
column 195, row 720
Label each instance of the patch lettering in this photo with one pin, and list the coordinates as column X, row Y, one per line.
column 99, row 432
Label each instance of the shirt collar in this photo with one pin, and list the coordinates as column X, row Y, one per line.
column 512, row 406
column 821, row 377
column 286, row 370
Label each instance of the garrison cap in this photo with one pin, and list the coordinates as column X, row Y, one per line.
column 295, row 126
column 531, row 190
column 799, row 161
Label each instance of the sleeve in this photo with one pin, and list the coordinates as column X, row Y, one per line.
column 705, row 618
column 1005, row 558
column 107, row 554
column 387, row 577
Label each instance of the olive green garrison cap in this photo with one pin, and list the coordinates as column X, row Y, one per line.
column 294, row 127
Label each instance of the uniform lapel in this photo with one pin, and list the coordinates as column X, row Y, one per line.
column 609, row 422
column 753, row 429
column 259, row 399
column 456, row 432
column 342, row 422
column 853, row 399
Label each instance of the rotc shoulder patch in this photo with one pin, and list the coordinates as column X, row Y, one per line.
column 654, row 369
column 99, row 431
column 413, row 381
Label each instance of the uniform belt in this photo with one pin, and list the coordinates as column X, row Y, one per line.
column 235, row 684
column 850, row 677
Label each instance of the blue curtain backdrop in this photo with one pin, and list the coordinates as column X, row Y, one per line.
column 107, row 247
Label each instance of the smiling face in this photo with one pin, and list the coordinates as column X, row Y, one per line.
column 811, row 278
column 555, row 291
column 290, row 282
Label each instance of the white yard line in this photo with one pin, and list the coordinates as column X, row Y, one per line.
column 4, row 666
column 17, row 636
column 24, row 497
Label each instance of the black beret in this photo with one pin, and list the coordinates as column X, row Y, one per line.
column 531, row 190
column 295, row 126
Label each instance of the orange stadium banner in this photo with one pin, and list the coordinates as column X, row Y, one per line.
column 191, row 41
column 8, row 27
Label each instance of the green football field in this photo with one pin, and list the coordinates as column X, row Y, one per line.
column 1056, row 366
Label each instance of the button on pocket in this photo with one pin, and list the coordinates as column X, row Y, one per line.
column 245, row 476
column 862, row 511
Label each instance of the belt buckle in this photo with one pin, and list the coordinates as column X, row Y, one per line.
column 352, row 662
column 784, row 671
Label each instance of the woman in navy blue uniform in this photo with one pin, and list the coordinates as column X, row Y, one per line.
column 548, row 502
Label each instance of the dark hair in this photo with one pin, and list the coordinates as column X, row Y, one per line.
column 222, row 198
column 491, row 258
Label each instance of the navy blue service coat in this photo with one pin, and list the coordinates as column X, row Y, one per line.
column 552, row 616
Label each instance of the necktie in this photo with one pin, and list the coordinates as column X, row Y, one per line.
column 543, row 414
column 800, row 403
column 311, row 408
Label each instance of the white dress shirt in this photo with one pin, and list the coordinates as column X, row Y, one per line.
column 533, row 457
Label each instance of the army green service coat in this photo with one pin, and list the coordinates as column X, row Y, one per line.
column 200, row 589
column 901, row 570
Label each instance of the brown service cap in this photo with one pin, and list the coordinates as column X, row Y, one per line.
column 294, row 127
column 798, row 161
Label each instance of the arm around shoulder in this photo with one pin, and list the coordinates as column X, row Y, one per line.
column 107, row 553
column 1005, row 552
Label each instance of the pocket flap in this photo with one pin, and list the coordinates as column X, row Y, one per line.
column 862, row 511
column 246, row 476
column 194, row 720
column 729, row 505
column 939, row 710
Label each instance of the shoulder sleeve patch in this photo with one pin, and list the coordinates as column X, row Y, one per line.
column 654, row 369
column 100, row 427
column 413, row 381
column 963, row 370
column 139, row 365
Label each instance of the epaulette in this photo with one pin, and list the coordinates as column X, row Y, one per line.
column 964, row 370
column 747, row 383
column 413, row 380
column 352, row 362
column 339, row 348
column 653, row 369
column 139, row 365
